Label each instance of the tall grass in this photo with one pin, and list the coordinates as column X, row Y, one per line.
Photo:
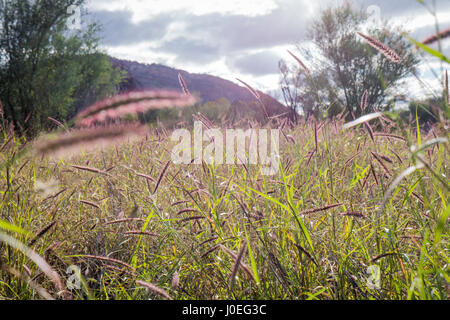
column 348, row 199
column 311, row 232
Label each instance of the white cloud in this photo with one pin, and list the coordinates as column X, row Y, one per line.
column 202, row 36
column 144, row 9
column 422, row 20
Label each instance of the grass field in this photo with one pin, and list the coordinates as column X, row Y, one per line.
column 334, row 223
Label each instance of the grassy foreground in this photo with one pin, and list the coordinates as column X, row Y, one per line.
column 140, row 227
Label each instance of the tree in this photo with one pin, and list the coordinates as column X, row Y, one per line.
column 45, row 69
column 296, row 98
column 343, row 66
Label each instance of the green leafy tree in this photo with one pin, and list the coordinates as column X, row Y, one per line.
column 47, row 70
column 343, row 66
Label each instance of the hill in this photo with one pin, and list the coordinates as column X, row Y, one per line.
column 156, row 76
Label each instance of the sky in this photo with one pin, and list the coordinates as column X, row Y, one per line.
column 236, row 38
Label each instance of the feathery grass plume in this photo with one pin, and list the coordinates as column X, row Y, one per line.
column 187, row 210
column 141, row 233
column 179, row 202
column 209, row 251
column 37, row 259
column 145, row 176
column 245, row 268
column 175, row 280
column 124, row 220
column 311, row 153
column 364, row 101
column 385, row 168
column 205, row 120
column 58, row 123
column 415, row 195
column 209, row 240
column 252, row 91
column 132, row 103
column 183, row 85
column 351, row 158
column 90, row 203
column 207, row 124
column 369, row 131
column 384, row 157
column 161, row 176
column 289, row 138
column 382, row 256
column 155, row 289
column 308, row 72
column 28, row 117
column 310, row 257
column 396, row 154
column 41, row 232
column 389, row 135
column 437, row 37
column 237, row 262
column 275, row 262
column 25, row 278
column 27, row 270
column 196, row 218
column 106, row 259
column 347, row 163
column 374, row 174
column 321, row 209
column 53, row 196
column 363, row 119
column 89, row 169
column 382, row 48
column 68, row 144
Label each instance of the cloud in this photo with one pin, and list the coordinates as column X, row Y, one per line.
column 143, row 9
column 283, row 25
column 257, row 64
column 191, row 50
column 214, row 33
column 390, row 8
column 118, row 29
column 232, row 36
column 208, row 37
